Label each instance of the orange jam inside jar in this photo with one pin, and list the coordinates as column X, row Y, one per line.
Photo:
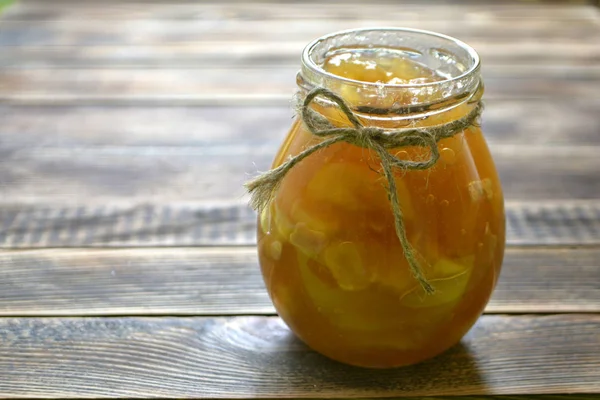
column 328, row 249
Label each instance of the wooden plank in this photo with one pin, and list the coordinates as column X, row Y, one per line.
column 226, row 281
column 550, row 122
column 524, row 53
column 257, row 357
column 32, row 126
column 227, row 223
column 28, row 10
column 170, row 85
column 108, row 175
column 84, row 32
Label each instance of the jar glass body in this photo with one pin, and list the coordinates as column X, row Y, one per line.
column 328, row 246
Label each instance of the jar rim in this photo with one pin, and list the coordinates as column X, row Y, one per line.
column 309, row 63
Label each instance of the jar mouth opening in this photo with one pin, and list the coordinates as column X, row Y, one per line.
column 443, row 49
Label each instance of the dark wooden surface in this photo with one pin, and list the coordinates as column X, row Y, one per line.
column 127, row 259
column 258, row 357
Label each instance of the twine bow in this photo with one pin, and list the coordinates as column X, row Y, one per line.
column 263, row 188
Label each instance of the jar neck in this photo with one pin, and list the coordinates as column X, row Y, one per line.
column 454, row 61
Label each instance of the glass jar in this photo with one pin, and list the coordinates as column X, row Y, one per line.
column 330, row 250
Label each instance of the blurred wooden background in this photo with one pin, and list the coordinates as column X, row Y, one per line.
column 127, row 129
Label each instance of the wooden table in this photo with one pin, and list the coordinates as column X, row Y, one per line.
column 128, row 265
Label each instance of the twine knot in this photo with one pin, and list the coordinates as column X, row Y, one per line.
column 263, row 188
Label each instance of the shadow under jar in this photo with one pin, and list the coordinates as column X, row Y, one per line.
column 328, row 245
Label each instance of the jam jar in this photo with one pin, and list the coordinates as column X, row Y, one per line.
column 332, row 256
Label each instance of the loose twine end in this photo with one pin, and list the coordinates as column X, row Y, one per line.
column 263, row 188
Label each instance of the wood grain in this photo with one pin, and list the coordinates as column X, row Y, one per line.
column 96, row 175
column 294, row 21
column 481, row 25
column 222, row 223
column 226, row 281
column 41, row 10
column 74, row 35
column 173, row 35
column 257, row 357
column 547, row 122
column 170, row 86
column 526, row 53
